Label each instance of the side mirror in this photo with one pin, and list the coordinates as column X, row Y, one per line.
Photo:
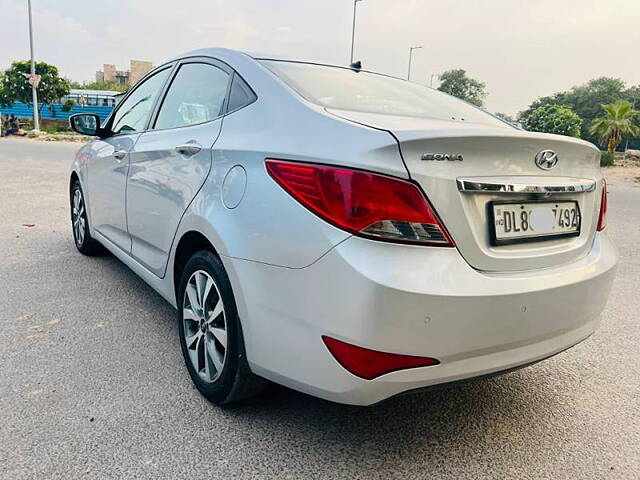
column 85, row 123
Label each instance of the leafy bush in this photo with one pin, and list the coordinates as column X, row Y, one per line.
column 68, row 105
column 557, row 119
column 607, row 159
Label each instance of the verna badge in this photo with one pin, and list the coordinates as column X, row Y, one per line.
column 546, row 159
column 441, row 157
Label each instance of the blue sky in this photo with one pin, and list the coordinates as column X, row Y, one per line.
column 522, row 49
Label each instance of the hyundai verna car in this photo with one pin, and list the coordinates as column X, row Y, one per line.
column 341, row 232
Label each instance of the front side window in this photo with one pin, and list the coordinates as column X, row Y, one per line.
column 196, row 95
column 134, row 112
column 360, row 91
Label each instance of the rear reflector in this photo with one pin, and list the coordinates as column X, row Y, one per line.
column 602, row 219
column 364, row 203
column 369, row 364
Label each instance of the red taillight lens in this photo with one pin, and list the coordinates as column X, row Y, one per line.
column 602, row 219
column 367, row 204
column 370, row 364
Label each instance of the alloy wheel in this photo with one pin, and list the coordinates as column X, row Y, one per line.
column 204, row 326
column 78, row 217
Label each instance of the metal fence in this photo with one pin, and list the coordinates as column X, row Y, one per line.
column 54, row 111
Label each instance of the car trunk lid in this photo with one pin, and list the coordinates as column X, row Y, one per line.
column 466, row 168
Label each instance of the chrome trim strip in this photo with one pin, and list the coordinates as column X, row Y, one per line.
column 474, row 186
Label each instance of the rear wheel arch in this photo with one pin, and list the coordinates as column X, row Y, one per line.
column 190, row 243
column 239, row 383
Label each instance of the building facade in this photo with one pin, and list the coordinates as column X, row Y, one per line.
column 137, row 70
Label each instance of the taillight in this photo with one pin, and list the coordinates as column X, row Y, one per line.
column 369, row 364
column 602, row 219
column 366, row 204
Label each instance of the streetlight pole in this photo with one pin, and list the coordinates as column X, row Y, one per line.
column 411, row 49
column 34, row 93
column 431, row 79
column 353, row 29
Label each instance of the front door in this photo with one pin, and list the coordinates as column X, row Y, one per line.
column 107, row 173
column 107, row 180
column 171, row 161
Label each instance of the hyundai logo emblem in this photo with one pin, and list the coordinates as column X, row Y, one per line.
column 546, row 159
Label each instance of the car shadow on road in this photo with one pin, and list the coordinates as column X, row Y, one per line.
column 440, row 412
column 501, row 412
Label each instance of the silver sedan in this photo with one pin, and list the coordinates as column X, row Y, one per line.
column 342, row 232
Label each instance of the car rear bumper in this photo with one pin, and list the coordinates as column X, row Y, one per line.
column 415, row 301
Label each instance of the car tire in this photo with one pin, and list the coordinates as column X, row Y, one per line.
column 80, row 223
column 210, row 333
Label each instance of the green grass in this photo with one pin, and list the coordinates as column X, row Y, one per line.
column 50, row 129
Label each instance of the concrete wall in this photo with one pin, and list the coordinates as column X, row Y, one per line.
column 109, row 72
column 138, row 69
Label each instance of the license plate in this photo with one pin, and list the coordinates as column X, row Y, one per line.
column 534, row 221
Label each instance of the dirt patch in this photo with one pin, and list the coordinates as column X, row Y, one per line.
column 626, row 170
column 61, row 137
column 70, row 137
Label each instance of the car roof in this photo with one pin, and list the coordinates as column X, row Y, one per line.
column 230, row 54
column 227, row 52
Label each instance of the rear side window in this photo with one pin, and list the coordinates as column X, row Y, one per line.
column 346, row 89
column 241, row 94
column 196, row 95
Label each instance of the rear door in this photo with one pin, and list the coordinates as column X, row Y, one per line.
column 171, row 161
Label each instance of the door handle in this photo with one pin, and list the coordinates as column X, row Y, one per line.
column 188, row 149
column 119, row 154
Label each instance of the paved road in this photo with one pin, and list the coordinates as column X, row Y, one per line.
column 92, row 382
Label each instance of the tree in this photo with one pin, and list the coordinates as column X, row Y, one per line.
column 558, row 119
column 615, row 124
column 506, row 117
column 14, row 86
column 457, row 83
column 587, row 100
column 114, row 86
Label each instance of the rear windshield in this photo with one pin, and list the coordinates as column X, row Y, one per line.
column 346, row 89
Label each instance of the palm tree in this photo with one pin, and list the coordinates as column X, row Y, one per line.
column 616, row 123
